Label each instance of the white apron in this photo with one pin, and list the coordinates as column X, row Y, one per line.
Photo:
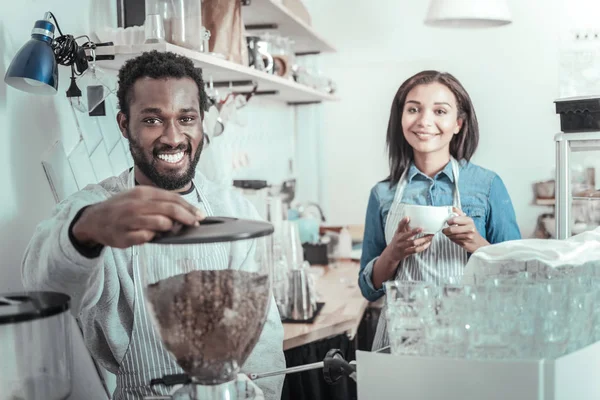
column 441, row 260
column 146, row 358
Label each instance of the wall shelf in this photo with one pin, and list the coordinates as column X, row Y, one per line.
column 271, row 12
column 552, row 202
column 282, row 89
column 544, row 202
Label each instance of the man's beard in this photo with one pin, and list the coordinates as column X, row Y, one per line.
column 172, row 181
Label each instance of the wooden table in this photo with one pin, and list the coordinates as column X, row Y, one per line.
column 356, row 231
column 343, row 310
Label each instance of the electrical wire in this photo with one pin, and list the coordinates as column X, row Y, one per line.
column 68, row 52
column 65, row 50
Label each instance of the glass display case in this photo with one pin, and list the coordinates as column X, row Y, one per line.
column 566, row 145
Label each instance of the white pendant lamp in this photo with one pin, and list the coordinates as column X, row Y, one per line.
column 468, row 13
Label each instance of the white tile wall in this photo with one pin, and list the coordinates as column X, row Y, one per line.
column 118, row 159
column 102, row 163
column 108, row 126
column 69, row 134
column 94, row 151
column 58, row 171
column 125, row 143
column 82, row 166
column 90, row 130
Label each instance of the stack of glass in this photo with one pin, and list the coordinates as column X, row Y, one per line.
column 531, row 312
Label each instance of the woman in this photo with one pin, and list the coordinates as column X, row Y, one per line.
column 432, row 135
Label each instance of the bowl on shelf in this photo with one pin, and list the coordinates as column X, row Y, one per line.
column 544, row 190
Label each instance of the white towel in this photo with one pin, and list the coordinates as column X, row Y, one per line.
column 578, row 250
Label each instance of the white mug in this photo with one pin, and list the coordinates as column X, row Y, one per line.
column 431, row 219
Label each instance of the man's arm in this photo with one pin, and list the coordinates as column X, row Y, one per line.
column 82, row 258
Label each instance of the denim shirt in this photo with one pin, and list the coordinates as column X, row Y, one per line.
column 483, row 197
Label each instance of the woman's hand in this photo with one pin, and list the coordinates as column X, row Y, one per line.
column 463, row 232
column 403, row 244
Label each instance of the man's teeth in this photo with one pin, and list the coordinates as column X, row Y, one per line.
column 171, row 158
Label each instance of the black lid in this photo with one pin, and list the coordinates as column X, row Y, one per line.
column 27, row 306
column 217, row 229
column 250, row 184
column 577, row 104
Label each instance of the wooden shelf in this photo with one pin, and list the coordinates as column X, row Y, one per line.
column 267, row 12
column 544, row 202
column 552, row 202
column 222, row 71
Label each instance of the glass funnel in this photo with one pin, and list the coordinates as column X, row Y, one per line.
column 208, row 290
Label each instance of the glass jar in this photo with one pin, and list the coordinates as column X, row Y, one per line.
column 186, row 28
column 208, row 290
column 155, row 24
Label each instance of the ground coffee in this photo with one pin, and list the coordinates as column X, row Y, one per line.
column 210, row 320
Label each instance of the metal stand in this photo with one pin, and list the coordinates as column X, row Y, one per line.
column 565, row 144
column 334, row 367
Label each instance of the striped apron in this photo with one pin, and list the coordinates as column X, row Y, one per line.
column 147, row 358
column 443, row 258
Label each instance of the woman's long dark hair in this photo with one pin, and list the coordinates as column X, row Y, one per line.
column 462, row 145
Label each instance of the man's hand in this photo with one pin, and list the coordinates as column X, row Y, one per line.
column 134, row 217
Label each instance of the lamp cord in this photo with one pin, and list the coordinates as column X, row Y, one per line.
column 67, row 51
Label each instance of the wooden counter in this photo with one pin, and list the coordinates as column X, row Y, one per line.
column 356, row 231
column 344, row 307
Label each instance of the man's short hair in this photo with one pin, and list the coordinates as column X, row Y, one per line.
column 156, row 65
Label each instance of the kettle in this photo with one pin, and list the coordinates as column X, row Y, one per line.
column 303, row 304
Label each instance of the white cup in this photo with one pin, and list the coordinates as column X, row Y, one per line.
column 431, row 219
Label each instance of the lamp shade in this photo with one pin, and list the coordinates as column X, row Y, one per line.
column 34, row 68
column 468, row 13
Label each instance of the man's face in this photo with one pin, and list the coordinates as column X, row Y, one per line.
column 164, row 130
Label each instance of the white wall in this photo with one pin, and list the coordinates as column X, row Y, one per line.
column 511, row 74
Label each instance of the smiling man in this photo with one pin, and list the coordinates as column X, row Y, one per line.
column 86, row 249
column 164, row 132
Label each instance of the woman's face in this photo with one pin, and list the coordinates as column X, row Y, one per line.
column 430, row 119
